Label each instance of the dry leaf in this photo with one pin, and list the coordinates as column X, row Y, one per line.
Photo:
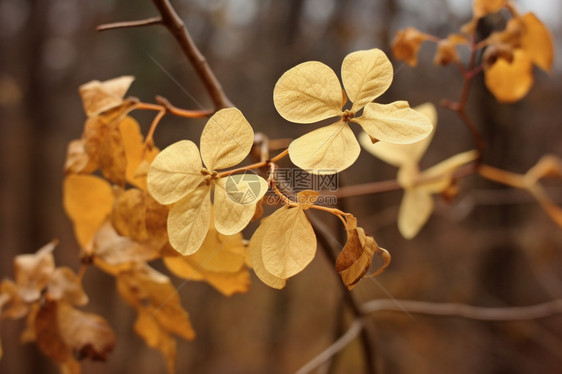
column 175, row 172
column 356, row 256
column 395, row 123
column 417, row 203
column 226, row 139
column 65, row 285
column 307, row 93
column 114, row 253
column 326, row 150
column 480, row 8
column 103, row 142
column 446, row 53
column 537, row 42
column 235, row 201
column 77, row 160
column 219, row 261
column 138, row 156
column 189, row 220
column 289, row 244
column 406, row 45
column 64, row 333
column 256, row 256
column 33, row 271
column 88, row 201
column 98, row 97
column 160, row 313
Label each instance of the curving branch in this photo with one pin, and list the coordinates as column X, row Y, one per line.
column 354, row 330
column 175, row 25
column 172, row 21
column 544, row 310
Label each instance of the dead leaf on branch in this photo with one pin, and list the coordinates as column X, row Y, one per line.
column 32, row 272
column 88, row 201
column 114, row 253
column 160, row 313
column 98, row 97
column 407, row 44
column 65, row 334
column 65, row 285
column 356, row 257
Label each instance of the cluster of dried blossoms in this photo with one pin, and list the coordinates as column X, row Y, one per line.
column 188, row 206
column 509, row 54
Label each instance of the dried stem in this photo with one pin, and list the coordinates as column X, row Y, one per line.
column 129, row 24
column 459, row 107
column 537, row 311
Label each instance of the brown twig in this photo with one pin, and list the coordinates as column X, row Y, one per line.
column 355, row 328
column 129, row 24
column 175, row 25
column 459, row 107
column 544, row 310
column 328, row 248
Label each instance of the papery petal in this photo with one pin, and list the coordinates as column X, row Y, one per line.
column 226, row 139
column 236, row 197
column 394, row 123
column 366, row 75
column 327, row 150
column 416, row 207
column 401, row 154
column 309, row 92
column 189, row 220
column 175, row 172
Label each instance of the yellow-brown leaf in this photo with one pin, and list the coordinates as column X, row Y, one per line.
column 88, row 201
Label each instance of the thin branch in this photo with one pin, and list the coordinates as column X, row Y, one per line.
column 354, row 330
column 177, row 28
column 130, row 24
column 329, row 247
column 544, row 310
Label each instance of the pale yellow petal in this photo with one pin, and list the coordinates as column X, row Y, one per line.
column 236, row 197
column 401, row 154
column 441, row 173
column 307, row 93
column 510, row 82
column 366, row 75
column 226, row 139
column 394, row 123
column 327, row 150
column 175, row 172
column 256, row 257
column 416, row 207
column 289, row 245
column 189, row 220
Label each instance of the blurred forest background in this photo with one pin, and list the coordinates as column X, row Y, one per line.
column 492, row 246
